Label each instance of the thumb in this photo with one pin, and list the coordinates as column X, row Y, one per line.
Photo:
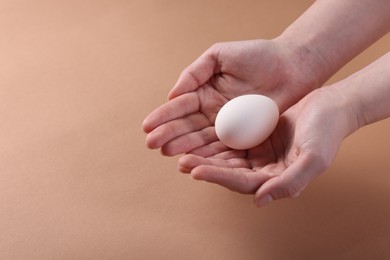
column 196, row 74
column 291, row 182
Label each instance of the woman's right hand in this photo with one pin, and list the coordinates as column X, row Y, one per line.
column 224, row 71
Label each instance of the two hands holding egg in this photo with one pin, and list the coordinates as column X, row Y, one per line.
column 223, row 114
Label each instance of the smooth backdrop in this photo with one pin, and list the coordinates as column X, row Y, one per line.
column 77, row 182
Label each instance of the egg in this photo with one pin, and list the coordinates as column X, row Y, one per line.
column 246, row 121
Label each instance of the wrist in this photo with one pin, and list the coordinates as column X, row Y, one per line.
column 367, row 92
column 330, row 33
column 347, row 102
column 305, row 64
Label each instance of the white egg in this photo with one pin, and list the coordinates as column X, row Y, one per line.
column 246, row 121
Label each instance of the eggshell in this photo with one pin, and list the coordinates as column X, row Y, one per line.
column 246, row 121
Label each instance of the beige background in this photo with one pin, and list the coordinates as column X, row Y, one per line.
column 76, row 181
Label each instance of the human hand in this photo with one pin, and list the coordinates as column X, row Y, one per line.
column 302, row 146
column 226, row 70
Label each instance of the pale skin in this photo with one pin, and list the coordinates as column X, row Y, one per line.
column 305, row 141
column 286, row 69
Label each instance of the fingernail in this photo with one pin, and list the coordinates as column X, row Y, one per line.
column 264, row 200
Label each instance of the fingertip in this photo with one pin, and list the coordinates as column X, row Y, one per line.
column 267, row 189
column 182, row 164
column 172, row 93
column 183, row 85
column 154, row 140
column 150, row 144
column 150, row 122
column 146, row 125
column 168, row 149
column 166, row 152
column 264, row 200
column 197, row 172
column 196, row 74
column 185, row 159
column 183, row 169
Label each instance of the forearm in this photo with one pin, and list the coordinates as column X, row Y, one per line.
column 332, row 32
column 368, row 92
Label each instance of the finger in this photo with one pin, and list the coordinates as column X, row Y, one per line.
column 242, row 180
column 210, row 149
column 290, row 183
column 196, row 74
column 177, row 127
column 190, row 141
column 188, row 162
column 173, row 109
